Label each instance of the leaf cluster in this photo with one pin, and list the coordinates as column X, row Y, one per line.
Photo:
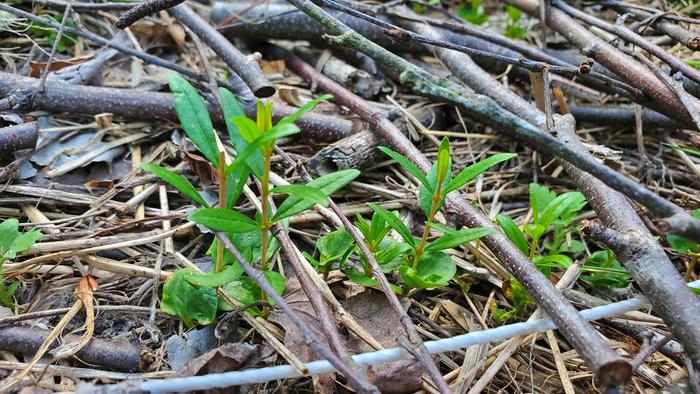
column 190, row 295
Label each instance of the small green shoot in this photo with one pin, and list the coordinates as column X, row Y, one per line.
column 193, row 296
column 686, row 247
column 419, row 262
column 472, row 11
column 548, row 242
column 13, row 242
column 513, row 28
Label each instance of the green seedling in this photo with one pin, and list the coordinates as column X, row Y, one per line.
column 193, row 296
column 12, row 242
column 67, row 39
column 513, row 28
column 548, row 242
column 686, row 247
column 419, row 262
column 472, row 11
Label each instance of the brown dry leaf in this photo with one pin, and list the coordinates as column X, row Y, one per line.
column 294, row 340
column 175, row 30
column 229, row 357
column 272, row 66
column 200, row 166
column 372, row 310
column 38, row 67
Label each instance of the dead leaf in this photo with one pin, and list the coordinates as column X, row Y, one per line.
column 200, row 166
column 272, row 66
column 38, row 67
column 229, row 357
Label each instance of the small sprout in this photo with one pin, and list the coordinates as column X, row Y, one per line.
column 13, row 242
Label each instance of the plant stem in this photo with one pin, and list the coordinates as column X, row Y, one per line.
column 424, row 238
column 222, row 204
column 265, row 193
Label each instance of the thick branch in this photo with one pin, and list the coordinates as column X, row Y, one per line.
column 246, row 67
column 137, row 104
column 639, row 252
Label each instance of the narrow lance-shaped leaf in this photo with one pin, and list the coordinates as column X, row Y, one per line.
column 304, row 109
column 513, row 232
column 305, row 192
column 194, row 117
column 327, row 184
column 408, row 166
column 231, row 109
column 177, row 181
column 444, row 161
column 462, row 237
column 475, row 170
column 395, row 223
column 222, row 219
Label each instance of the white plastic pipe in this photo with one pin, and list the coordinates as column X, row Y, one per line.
column 261, row 375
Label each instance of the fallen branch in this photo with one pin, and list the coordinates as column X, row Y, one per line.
column 14, row 138
column 637, row 250
column 246, row 67
column 137, row 104
column 119, row 355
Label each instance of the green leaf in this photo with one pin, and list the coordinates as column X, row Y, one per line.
column 235, row 183
column 192, row 304
column 327, row 184
column 378, row 229
column 335, row 245
column 473, row 12
column 248, row 129
column 562, row 209
column 177, row 181
column 12, row 241
column 216, row 279
column 513, row 232
column 395, row 223
column 222, row 219
column 514, row 13
column 7, row 293
column 477, row 169
column 276, row 281
column 363, row 280
column 244, row 291
column 232, row 108
column 390, row 254
column 540, row 197
column 603, row 270
column 425, row 196
column 444, row 161
column 434, row 269
column 521, row 298
column 275, row 133
column 553, row 261
column 304, row 109
column 408, row 166
column 305, row 192
column 462, row 237
column 194, row 118
column 681, row 245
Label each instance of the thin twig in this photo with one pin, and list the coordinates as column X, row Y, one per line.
column 57, row 40
column 144, row 9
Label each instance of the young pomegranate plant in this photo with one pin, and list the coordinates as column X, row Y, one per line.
column 687, row 248
column 548, row 241
column 193, row 296
column 420, row 263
